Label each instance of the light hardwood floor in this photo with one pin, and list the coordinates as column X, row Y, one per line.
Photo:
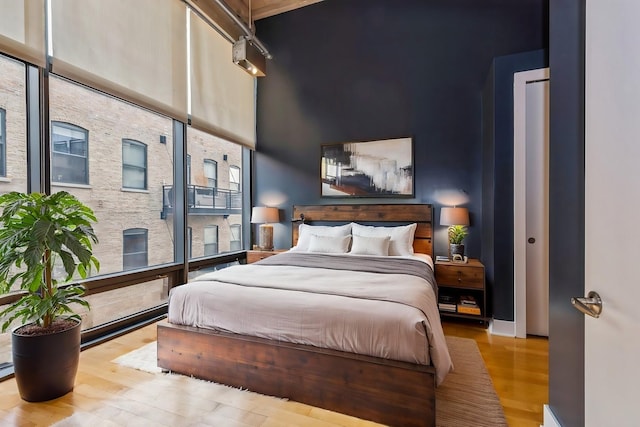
column 518, row 368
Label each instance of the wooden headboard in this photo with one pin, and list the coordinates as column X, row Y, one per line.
column 391, row 213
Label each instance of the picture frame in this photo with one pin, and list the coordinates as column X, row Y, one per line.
column 380, row 168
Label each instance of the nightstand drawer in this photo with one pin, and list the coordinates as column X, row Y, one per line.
column 464, row 276
column 255, row 256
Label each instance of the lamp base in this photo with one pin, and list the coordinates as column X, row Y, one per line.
column 265, row 241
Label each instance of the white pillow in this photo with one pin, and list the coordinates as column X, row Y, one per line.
column 370, row 245
column 329, row 245
column 401, row 242
column 305, row 232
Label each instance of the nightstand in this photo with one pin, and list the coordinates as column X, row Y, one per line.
column 256, row 254
column 456, row 280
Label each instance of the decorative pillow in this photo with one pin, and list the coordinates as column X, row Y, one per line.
column 329, row 245
column 370, row 245
column 305, row 232
column 401, row 242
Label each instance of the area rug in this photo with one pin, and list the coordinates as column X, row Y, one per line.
column 466, row 398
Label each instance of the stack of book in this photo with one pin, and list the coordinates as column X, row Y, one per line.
column 468, row 305
column 447, row 303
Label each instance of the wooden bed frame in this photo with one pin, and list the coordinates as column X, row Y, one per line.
column 371, row 388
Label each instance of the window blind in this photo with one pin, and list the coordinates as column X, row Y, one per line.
column 22, row 31
column 136, row 50
column 222, row 94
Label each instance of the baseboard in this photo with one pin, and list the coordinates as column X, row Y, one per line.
column 502, row 327
column 549, row 418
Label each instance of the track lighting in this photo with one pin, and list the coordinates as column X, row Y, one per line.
column 247, row 56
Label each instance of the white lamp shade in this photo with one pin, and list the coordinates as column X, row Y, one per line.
column 264, row 215
column 454, row 216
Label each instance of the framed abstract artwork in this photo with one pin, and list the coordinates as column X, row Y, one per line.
column 382, row 168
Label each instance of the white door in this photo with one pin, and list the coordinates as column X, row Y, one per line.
column 531, row 202
column 612, row 206
column 537, row 207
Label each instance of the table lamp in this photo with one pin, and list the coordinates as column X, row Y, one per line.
column 457, row 219
column 265, row 216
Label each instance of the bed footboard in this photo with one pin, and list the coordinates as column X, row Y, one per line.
column 371, row 388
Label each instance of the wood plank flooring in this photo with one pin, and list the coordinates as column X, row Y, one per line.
column 518, row 368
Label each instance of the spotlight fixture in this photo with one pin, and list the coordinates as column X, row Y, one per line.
column 247, row 56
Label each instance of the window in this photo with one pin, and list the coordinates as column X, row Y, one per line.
column 129, row 224
column 210, row 240
column 134, row 164
column 134, row 248
column 3, row 150
column 13, row 137
column 69, row 160
column 234, row 178
column 216, row 207
column 125, row 152
column 188, row 169
column 117, row 159
column 211, row 172
column 236, row 237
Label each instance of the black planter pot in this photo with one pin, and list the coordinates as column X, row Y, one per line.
column 456, row 250
column 46, row 365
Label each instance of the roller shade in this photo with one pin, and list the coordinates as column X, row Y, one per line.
column 22, row 30
column 136, row 50
column 222, row 94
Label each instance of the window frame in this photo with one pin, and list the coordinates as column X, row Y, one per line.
column 188, row 171
column 239, row 182
column 135, row 231
column 129, row 166
column 231, row 237
column 215, row 177
column 3, row 142
column 205, row 244
column 71, row 127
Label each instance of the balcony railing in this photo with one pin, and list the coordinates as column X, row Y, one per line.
column 204, row 201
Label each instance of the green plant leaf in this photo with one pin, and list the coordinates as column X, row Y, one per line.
column 457, row 233
column 33, row 226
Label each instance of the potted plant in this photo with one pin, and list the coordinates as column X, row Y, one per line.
column 45, row 243
column 457, row 233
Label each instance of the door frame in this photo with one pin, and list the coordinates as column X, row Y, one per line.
column 520, row 81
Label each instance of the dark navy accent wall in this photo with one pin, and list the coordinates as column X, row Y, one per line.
column 497, row 177
column 355, row 70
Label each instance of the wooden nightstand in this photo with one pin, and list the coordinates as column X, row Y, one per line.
column 256, row 255
column 459, row 280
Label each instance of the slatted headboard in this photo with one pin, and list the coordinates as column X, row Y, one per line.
column 378, row 213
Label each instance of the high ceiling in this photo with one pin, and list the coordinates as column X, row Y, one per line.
column 266, row 8
column 259, row 9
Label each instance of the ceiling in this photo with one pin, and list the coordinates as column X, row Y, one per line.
column 259, row 9
column 266, row 8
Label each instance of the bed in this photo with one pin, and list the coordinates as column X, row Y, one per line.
column 268, row 335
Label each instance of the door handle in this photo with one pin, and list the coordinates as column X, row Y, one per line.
column 591, row 305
